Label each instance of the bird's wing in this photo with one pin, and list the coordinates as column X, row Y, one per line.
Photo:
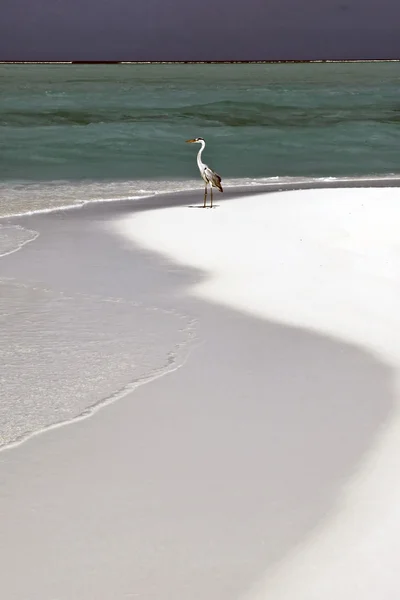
column 213, row 177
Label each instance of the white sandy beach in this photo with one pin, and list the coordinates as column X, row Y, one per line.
column 327, row 261
column 265, row 466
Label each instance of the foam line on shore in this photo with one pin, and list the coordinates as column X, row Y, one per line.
column 27, row 198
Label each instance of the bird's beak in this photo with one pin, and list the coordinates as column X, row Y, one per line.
column 190, row 141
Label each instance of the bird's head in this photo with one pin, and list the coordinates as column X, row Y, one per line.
column 195, row 141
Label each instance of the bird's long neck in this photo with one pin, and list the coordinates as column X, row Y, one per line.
column 199, row 161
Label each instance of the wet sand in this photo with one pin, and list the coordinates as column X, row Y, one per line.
column 201, row 481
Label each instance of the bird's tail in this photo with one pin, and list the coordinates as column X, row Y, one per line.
column 218, row 183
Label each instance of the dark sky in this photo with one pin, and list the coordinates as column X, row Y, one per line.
column 198, row 29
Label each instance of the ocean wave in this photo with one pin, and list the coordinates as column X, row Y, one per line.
column 222, row 113
column 135, row 345
column 14, row 237
column 260, row 114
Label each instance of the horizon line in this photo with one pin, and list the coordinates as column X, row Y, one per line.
column 194, row 62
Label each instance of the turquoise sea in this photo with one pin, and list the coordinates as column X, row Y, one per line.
column 75, row 133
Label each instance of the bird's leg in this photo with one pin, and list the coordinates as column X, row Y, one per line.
column 205, row 196
column 211, row 196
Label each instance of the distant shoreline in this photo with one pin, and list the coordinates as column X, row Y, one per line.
column 187, row 62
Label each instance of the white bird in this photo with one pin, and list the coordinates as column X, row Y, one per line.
column 210, row 177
